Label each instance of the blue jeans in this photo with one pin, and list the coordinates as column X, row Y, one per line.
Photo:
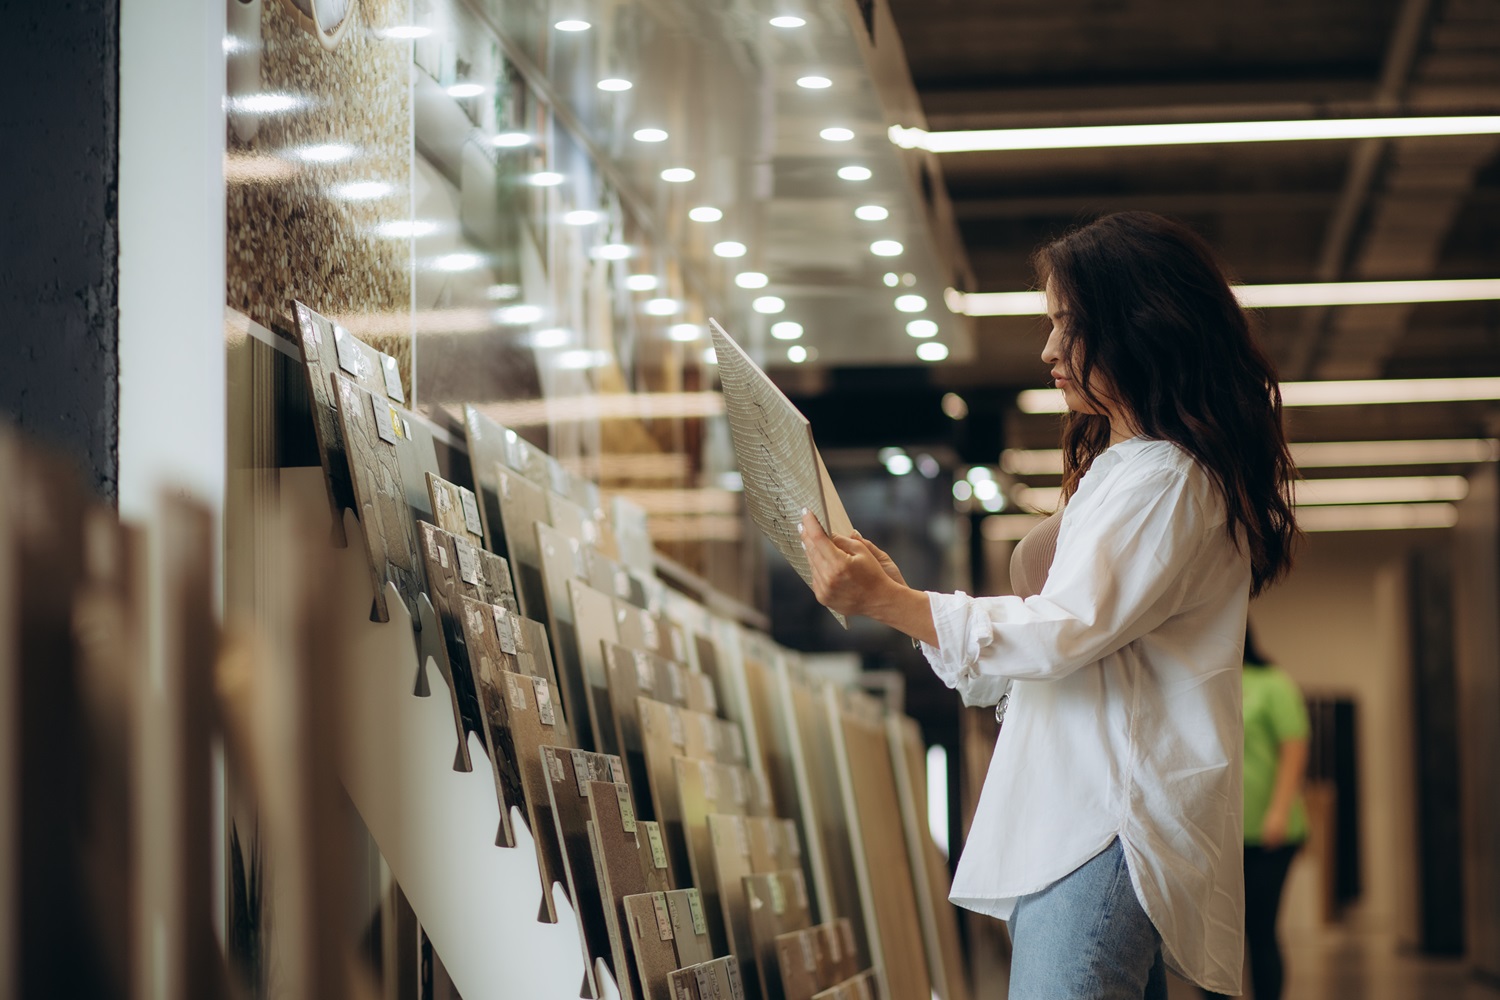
column 1085, row 937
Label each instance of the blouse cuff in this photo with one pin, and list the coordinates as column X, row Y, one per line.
column 961, row 635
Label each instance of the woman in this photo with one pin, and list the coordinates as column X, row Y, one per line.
column 1109, row 829
column 1275, row 817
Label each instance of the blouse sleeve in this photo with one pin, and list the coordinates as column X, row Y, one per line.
column 1117, row 575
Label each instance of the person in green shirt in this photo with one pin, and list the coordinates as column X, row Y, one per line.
column 1275, row 816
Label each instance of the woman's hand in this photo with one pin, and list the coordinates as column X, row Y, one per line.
column 852, row 576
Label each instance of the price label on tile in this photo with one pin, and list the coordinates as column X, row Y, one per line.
column 695, row 907
column 616, row 768
column 555, row 765
column 674, row 674
column 663, row 916
column 517, row 693
column 383, row 414
column 544, row 708
column 737, row 777
column 392, row 378
column 645, row 678
column 708, row 987
column 708, row 724
column 627, row 811
column 470, row 505
column 658, row 848
column 348, row 351
column 710, row 781
column 468, row 561
column 648, row 626
column 778, row 896
column 679, row 734
column 506, row 630
column 809, row 953
column 583, row 770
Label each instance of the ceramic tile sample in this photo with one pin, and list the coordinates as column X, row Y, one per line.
column 615, row 836
column 369, row 430
column 455, row 509
column 651, row 940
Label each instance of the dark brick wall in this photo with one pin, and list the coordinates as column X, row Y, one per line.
column 59, row 301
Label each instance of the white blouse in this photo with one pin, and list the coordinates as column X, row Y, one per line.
column 1124, row 715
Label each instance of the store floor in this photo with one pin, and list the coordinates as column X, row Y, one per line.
column 1351, row 965
column 1362, row 965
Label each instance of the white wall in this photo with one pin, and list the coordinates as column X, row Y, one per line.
column 1338, row 625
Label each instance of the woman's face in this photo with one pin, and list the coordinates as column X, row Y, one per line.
column 1062, row 360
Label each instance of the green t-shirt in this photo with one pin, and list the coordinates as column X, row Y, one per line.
column 1274, row 713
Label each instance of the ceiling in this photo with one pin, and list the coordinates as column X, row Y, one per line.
column 1277, row 212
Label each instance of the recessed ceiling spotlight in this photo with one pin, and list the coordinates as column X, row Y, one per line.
column 910, row 303
column 891, row 279
column 462, row 90
column 684, row 333
column 837, row 134
column 662, row 307
column 769, row 304
column 612, row 251
column 729, row 248
column 796, row 354
column 786, row 330
column 899, row 465
column 641, row 282
column 324, row 152
column 886, row 248
column 545, row 178
column 614, row 84
column 518, row 315
column 572, row 24
column 580, row 217
column 787, row 21
column 705, row 213
column 677, row 175
column 751, row 279
column 872, row 213
column 551, row 337
column 921, row 329
column 458, row 262
column 955, row 408
column 510, row 140
column 362, row 190
column 814, row 82
column 854, row 173
column 650, row 135
column 932, row 350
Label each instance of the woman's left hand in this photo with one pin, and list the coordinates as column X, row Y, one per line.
column 847, row 575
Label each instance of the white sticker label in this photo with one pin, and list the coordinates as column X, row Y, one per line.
column 392, row 378
column 737, row 777
column 679, row 734
column 627, row 811
column 555, row 765
column 679, row 645
column 663, row 917
column 653, row 637
column 809, row 953
column 695, row 906
column 710, row 728
column 468, row 561
column 383, row 414
column 658, row 849
column 645, row 678
column 793, row 839
column 708, row 989
column 674, row 674
column 348, row 350
column 778, row 895
column 583, row 770
column 710, row 781
column 544, row 707
column 471, row 511
column 505, row 629
column 442, row 551
column 517, row 694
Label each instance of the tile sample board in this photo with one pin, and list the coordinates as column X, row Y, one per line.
column 522, row 711
column 328, row 348
column 878, row 843
column 523, row 505
column 455, row 508
column 569, row 773
column 615, row 836
column 369, row 427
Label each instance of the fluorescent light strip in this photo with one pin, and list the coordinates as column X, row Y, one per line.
column 1367, row 517
column 1362, row 393
column 1189, row 133
column 1325, row 293
column 1308, row 455
column 1391, row 489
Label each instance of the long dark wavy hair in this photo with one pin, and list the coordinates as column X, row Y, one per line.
column 1151, row 314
